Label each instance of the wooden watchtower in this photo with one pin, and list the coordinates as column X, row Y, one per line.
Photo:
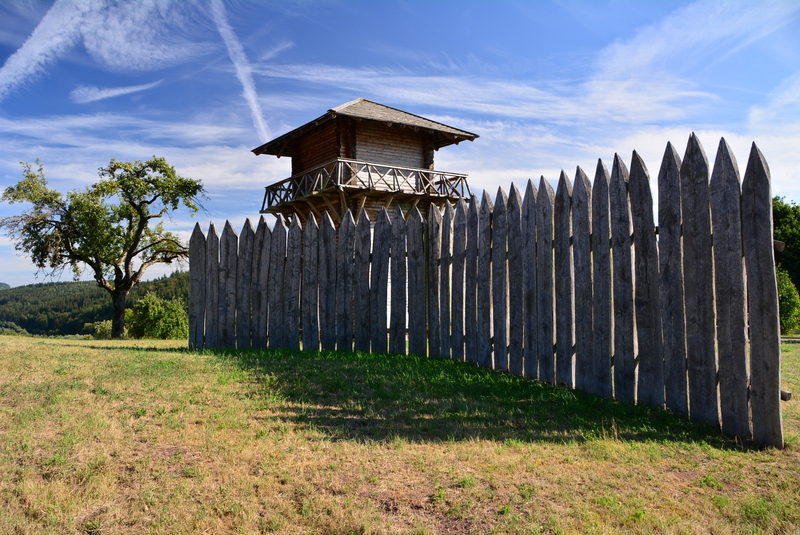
column 363, row 155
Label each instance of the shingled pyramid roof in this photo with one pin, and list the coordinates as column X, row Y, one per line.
column 443, row 135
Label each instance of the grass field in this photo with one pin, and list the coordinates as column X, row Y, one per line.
column 147, row 437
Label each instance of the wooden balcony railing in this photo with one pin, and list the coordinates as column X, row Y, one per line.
column 357, row 175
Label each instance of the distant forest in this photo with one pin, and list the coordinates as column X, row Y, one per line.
column 61, row 308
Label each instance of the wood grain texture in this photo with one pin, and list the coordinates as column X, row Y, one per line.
column 244, row 276
column 310, row 286
column 197, row 287
column 445, row 282
column 499, row 236
column 228, row 260
column 624, row 341
column 327, row 283
column 565, row 299
column 647, row 299
column 698, row 272
column 277, row 275
column 582, row 262
column 417, row 291
column 762, row 302
column 397, row 327
column 294, row 267
column 600, row 377
column 530, row 362
column 516, row 278
column 457, row 278
column 670, row 256
column 484, row 283
column 212, row 286
column 379, row 282
column 471, row 284
column 544, row 272
column 345, row 251
column 726, row 223
column 261, row 260
column 434, row 257
column 361, row 295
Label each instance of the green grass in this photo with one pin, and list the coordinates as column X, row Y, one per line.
column 147, row 437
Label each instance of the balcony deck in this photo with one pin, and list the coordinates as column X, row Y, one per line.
column 330, row 187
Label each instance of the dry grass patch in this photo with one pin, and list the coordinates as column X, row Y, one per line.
column 147, row 437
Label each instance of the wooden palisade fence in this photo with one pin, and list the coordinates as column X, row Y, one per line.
column 576, row 287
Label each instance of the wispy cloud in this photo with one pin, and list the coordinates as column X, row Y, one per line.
column 243, row 69
column 142, row 36
column 56, row 34
column 87, row 93
column 119, row 36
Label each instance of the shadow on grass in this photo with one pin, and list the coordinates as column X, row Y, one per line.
column 378, row 397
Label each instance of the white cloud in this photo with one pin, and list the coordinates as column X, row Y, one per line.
column 56, row 33
column 87, row 93
column 141, row 36
column 243, row 69
column 120, row 36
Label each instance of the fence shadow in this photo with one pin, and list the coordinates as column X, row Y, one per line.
column 367, row 397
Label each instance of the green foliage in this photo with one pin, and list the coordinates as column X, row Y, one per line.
column 12, row 329
column 69, row 308
column 786, row 219
column 789, row 303
column 4, row 286
column 101, row 330
column 153, row 317
column 109, row 227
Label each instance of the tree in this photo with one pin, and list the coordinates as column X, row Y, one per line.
column 786, row 219
column 789, row 302
column 107, row 227
column 154, row 317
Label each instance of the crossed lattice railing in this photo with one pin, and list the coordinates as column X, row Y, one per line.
column 344, row 173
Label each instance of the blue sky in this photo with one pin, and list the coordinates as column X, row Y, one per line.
column 547, row 85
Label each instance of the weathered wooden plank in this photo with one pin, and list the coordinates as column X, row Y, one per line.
column 647, row 300
column 516, row 255
column 624, row 341
column 379, row 282
column 310, row 286
column 361, row 283
column 530, row 363
column 565, row 299
column 397, row 328
column 545, row 297
column 212, row 287
column 762, row 302
column 726, row 223
column 444, row 278
column 582, row 259
column 277, row 274
column 600, row 374
column 698, row 273
column 345, row 253
column 471, row 284
column 484, row 283
column 228, row 260
column 459, row 262
column 417, row 292
column 197, row 287
column 500, row 280
column 294, row 270
column 244, row 271
column 434, row 280
column 261, row 261
column 327, row 283
column 670, row 256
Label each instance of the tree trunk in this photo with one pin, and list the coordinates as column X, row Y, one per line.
column 118, row 299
